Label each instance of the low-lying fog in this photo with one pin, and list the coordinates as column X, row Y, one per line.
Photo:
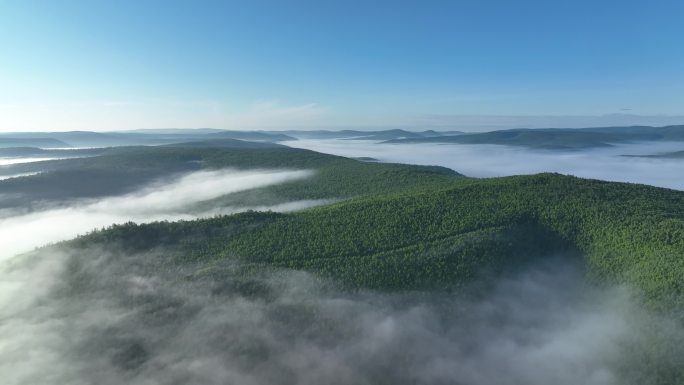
column 496, row 160
column 105, row 317
column 168, row 200
column 98, row 317
column 10, row 176
column 19, row 160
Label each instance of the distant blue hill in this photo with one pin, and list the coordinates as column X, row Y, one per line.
column 560, row 139
column 32, row 142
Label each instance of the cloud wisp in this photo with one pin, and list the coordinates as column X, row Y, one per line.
column 20, row 160
column 3, row 177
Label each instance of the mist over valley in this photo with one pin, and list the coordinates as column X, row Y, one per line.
column 340, row 269
column 341, row 192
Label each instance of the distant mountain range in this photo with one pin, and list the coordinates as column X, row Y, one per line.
column 364, row 135
column 170, row 136
column 129, row 138
column 663, row 155
column 31, row 142
column 559, row 139
column 548, row 138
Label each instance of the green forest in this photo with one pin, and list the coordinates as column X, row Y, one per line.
column 409, row 227
column 378, row 230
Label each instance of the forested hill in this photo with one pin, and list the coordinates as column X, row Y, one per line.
column 32, row 142
column 394, row 226
column 445, row 234
column 394, row 232
column 112, row 171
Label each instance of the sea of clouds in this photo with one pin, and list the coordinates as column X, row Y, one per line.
column 605, row 163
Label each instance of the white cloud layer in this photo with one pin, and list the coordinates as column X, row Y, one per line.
column 495, row 160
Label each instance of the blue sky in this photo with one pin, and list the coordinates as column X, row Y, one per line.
column 285, row 64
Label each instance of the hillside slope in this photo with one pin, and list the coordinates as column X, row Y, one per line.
column 442, row 236
column 121, row 170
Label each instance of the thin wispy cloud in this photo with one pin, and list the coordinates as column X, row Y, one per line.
column 20, row 160
column 3, row 177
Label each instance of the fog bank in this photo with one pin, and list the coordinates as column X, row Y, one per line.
column 496, row 160
column 3, row 177
column 19, row 160
column 107, row 318
column 172, row 200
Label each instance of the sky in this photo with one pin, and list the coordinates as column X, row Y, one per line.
column 461, row 64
